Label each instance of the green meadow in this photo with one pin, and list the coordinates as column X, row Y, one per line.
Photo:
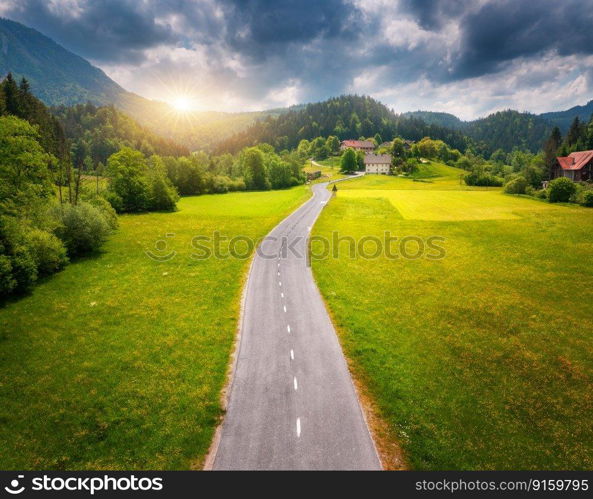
column 482, row 359
column 118, row 361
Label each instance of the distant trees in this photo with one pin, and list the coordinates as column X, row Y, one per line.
column 344, row 117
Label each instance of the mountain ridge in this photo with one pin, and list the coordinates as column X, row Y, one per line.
column 60, row 77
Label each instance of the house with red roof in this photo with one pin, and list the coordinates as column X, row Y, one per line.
column 577, row 166
column 357, row 145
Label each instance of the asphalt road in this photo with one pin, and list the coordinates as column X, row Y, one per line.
column 292, row 404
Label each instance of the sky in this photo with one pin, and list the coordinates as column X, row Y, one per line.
column 466, row 57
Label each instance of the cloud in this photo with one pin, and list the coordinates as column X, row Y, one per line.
column 451, row 55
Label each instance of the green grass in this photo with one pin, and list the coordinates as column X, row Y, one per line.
column 117, row 362
column 480, row 360
column 328, row 172
column 332, row 161
column 452, row 205
column 429, row 176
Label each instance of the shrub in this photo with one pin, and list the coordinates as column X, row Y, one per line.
column 163, row 196
column 561, row 189
column 482, row 179
column 529, row 190
column 82, row 228
column 587, row 198
column 7, row 281
column 516, row 185
column 238, row 184
column 107, row 210
column 18, row 268
column 47, row 250
column 218, row 184
column 541, row 194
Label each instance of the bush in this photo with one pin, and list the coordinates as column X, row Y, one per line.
column 541, row 194
column 561, row 189
column 47, row 250
column 482, row 179
column 18, row 269
column 107, row 210
column 83, row 228
column 529, row 190
column 163, row 196
column 587, row 198
column 516, row 185
column 7, row 281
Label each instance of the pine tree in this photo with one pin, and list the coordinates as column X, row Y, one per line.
column 551, row 148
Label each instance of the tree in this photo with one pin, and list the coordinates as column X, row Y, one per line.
column 333, row 144
column 24, row 174
column 128, row 185
column 378, row 139
column 551, row 151
column 348, row 162
column 256, row 174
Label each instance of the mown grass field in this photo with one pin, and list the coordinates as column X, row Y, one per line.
column 482, row 359
column 117, row 362
column 429, row 176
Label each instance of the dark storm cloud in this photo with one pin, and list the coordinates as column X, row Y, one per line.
column 250, row 48
column 106, row 30
column 262, row 27
column 503, row 31
column 432, row 14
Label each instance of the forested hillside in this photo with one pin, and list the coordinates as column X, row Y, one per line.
column 564, row 119
column 508, row 129
column 446, row 120
column 348, row 116
column 98, row 132
column 504, row 130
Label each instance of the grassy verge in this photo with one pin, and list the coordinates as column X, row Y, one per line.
column 118, row 361
column 482, row 359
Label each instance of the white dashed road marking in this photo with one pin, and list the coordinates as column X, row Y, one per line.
column 288, row 328
column 298, row 427
column 291, row 354
column 285, row 308
column 296, row 383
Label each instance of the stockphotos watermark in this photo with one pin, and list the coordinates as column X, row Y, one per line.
column 89, row 484
column 222, row 247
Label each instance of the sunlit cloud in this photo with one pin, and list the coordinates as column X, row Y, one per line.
column 469, row 58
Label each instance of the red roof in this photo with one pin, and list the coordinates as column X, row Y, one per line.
column 362, row 144
column 575, row 160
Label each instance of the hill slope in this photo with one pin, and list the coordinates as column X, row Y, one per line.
column 56, row 75
column 347, row 116
column 563, row 119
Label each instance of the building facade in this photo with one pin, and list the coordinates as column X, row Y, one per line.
column 577, row 166
column 377, row 163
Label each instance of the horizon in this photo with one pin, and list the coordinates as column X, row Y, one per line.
column 228, row 56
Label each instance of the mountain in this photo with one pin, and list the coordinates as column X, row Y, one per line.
column 59, row 77
column 563, row 119
column 347, row 116
column 56, row 75
column 440, row 119
column 501, row 130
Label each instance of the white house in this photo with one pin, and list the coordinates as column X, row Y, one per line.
column 377, row 163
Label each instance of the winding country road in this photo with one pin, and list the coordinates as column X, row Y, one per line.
column 292, row 403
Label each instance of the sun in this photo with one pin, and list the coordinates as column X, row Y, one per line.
column 183, row 104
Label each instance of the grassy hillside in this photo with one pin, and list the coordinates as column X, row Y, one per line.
column 118, row 361
column 481, row 359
